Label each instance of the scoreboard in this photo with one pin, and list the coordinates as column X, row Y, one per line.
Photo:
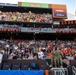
column 69, row 22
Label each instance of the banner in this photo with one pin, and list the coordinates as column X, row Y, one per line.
column 30, row 4
column 21, row 72
column 59, row 15
column 59, row 10
column 8, row 4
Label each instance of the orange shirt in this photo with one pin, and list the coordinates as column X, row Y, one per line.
column 64, row 51
column 69, row 50
column 49, row 54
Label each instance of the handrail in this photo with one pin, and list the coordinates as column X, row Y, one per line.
column 61, row 70
column 74, row 70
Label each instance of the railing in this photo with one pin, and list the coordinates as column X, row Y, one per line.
column 60, row 71
column 74, row 70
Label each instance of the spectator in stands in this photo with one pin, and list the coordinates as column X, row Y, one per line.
column 70, row 57
column 25, row 17
column 31, row 56
column 5, row 55
column 15, row 55
column 40, row 54
column 41, row 49
column 35, row 56
column 75, row 56
column 10, row 57
column 1, row 56
column 69, row 50
column 48, row 54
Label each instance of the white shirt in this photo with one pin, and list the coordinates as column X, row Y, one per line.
column 2, row 51
column 70, row 58
column 7, row 45
column 30, row 57
column 1, row 57
column 16, row 47
column 40, row 55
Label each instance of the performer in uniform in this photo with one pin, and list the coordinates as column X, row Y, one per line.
column 53, row 58
column 58, row 57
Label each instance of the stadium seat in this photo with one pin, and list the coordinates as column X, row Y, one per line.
column 34, row 66
column 0, row 66
column 6, row 66
column 42, row 66
column 24, row 66
column 16, row 66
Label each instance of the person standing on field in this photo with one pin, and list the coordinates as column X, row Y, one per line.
column 53, row 58
column 58, row 57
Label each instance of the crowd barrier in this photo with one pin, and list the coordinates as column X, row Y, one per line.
column 72, row 63
column 74, row 70
column 60, row 71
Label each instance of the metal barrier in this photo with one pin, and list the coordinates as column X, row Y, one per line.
column 74, row 70
column 60, row 71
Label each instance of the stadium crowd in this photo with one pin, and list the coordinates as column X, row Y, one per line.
column 16, row 28
column 25, row 17
column 19, row 49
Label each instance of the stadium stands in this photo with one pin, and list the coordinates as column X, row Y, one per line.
column 28, row 38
